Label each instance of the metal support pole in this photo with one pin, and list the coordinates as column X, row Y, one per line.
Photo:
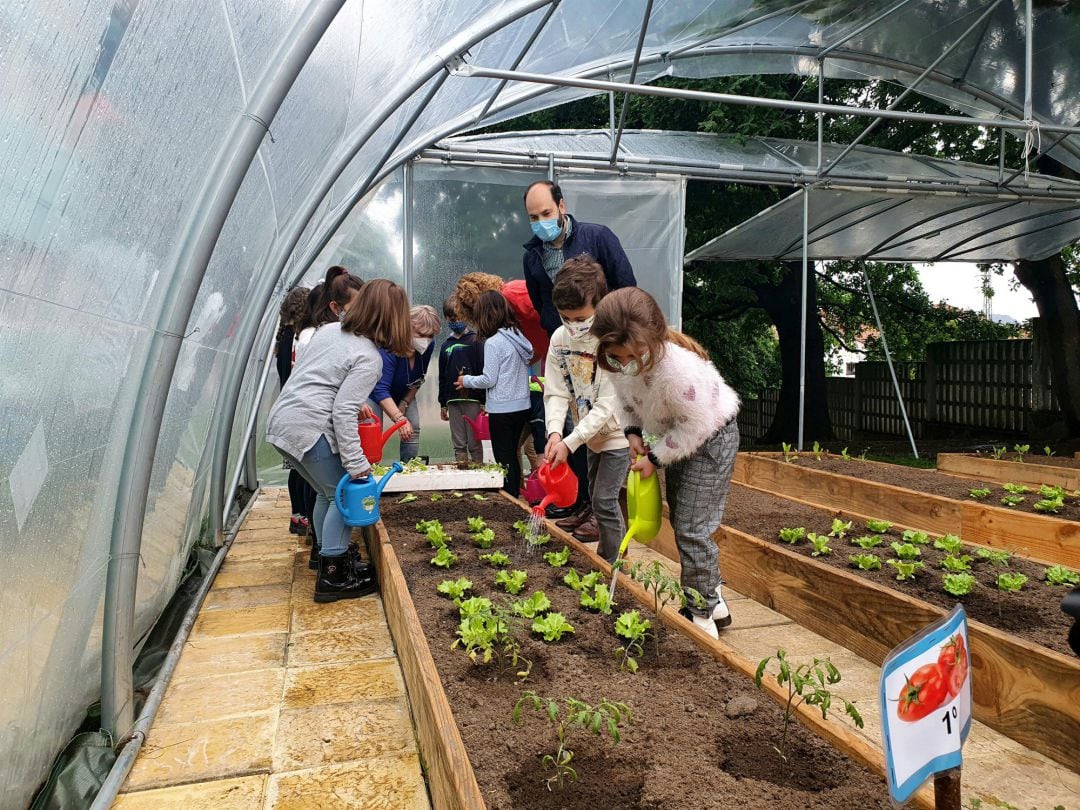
column 820, row 116
column 866, row 25
column 1001, row 156
column 611, row 112
column 551, row 167
column 888, row 359
column 633, row 77
column 407, row 227
column 802, row 316
column 918, row 80
column 1028, row 59
column 187, row 269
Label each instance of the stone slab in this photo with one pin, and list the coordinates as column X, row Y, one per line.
column 358, row 643
column 208, row 655
column 384, row 783
column 245, row 793
column 343, row 683
column 310, row 616
column 320, row 735
column 243, row 621
column 219, row 697
column 246, row 596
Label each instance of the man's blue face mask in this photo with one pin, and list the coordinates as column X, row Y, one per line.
column 547, row 230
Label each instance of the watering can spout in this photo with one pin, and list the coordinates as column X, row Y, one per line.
column 396, row 467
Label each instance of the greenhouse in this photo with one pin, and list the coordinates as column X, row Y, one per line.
column 172, row 173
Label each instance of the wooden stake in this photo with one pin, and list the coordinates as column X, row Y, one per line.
column 947, row 790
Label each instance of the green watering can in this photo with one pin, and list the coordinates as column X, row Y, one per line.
column 645, row 513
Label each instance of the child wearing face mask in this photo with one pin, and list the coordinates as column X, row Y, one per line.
column 460, row 354
column 395, row 393
column 679, row 414
column 573, row 376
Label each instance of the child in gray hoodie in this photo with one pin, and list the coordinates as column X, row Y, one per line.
column 506, row 379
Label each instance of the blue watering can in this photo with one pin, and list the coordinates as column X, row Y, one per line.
column 358, row 501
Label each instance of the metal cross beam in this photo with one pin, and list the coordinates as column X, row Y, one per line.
column 633, row 76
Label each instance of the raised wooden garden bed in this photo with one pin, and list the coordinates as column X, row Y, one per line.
column 682, row 750
column 1022, row 689
column 1034, row 472
column 1039, row 537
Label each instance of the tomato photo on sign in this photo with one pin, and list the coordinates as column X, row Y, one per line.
column 953, row 660
column 921, row 693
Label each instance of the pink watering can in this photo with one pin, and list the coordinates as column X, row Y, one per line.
column 372, row 437
column 480, row 426
column 534, row 490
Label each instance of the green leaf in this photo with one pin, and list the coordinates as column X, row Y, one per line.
column 408, row 498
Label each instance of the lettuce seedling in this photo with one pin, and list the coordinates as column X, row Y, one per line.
column 817, row 451
column 599, row 602
column 878, row 526
column 1011, row 583
column 820, row 542
column 1049, row 505
column 493, row 634
column 1047, row 451
column 979, row 493
column 949, row 543
column 456, row 494
column 1016, row 489
column 905, row 551
column 867, row 541
column 845, row 455
column 436, row 497
column 533, row 606
column 424, row 525
column 478, row 497
column 474, row 606
column 1052, row 493
column 552, row 627
column 957, row 563
column 789, row 454
column 535, row 540
column 605, row 717
column 483, row 538
column 476, row 524
column 957, row 584
column 1020, row 450
column 994, row 556
column 905, row 569
column 916, row 537
column 557, row 559
column 865, row 562
column 512, row 581
column 1060, row 575
column 997, row 452
column 582, row 583
column 495, row 559
column 1012, row 500
column 408, row 498
column 437, row 536
column 792, row 536
column 806, row 683
column 444, row 557
column 633, row 628
column 840, row 528
column 454, row 588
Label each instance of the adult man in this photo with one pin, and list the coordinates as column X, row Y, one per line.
column 557, row 237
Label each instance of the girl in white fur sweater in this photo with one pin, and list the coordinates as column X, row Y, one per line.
column 678, row 414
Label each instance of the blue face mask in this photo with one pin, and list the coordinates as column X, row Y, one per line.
column 457, row 327
column 547, row 230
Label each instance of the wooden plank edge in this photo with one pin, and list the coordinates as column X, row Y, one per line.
column 1031, row 473
column 451, row 780
column 836, row 734
column 1028, row 656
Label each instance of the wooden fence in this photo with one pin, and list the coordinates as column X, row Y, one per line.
column 991, row 385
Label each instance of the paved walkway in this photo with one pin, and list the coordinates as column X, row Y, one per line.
column 279, row 702
column 997, row 770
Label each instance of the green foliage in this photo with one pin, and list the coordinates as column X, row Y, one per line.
column 488, row 632
column 789, row 454
column 949, row 543
column 582, row 583
column 1060, row 575
column 483, row 538
column 454, row 588
column 1048, row 451
column 865, row 562
column 665, row 590
column 533, row 606
column 998, row 452
column 437, row 536
column 817, row 451
column 444, row 557
column 1011, row 583
column 424, row 525
column 879, row 526
column 955, row 563
column 476, row 524
column 474, row 606
column 436, row 497
column 979, row 493
column 512, row 581
column 840, row 528
column 820, row 542
column 552, row 627
column 957, row 584
column 1021, row 450
column 573, row 715
column 792, row 536
column 478, row 497
column 905, row 569
column 845, row 455
column 806, row 683
column 557, row 559
column 1049, row 505
column 633, row 628
column 994, row 556
column 1052, row 493
column 408, row 498
column 916, row 537
column 600, row 600
column 905, row 551
column 867, row 541
column 495, row 559
column 1012, row 500
column 1016, row 489
column 541, row 539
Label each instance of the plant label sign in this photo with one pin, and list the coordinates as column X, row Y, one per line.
column 925, row 697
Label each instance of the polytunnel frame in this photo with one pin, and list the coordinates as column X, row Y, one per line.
column 219, row 190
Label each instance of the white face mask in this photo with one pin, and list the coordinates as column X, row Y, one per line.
column 341, row 315
column 578, row 329
column 631, row 369
column 421, row 344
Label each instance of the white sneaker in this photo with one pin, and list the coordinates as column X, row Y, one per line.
column 721, row 616
column 701, row 622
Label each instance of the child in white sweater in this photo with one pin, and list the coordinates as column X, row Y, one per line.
column 677, row 413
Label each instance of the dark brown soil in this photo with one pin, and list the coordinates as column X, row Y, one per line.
column 1041, row 458
column 934, row 483
column 1033, row 614
column 682, row 751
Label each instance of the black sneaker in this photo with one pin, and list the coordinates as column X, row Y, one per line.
column 337, row 580
column 560, row 512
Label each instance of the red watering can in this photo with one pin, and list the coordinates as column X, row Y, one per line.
column 372, row 437
column 534, row 490
column 560, row 484
column 480, row 426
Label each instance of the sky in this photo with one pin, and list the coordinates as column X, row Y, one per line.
column 958, row 284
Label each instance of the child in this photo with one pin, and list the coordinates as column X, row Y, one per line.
column 573, row 377
column 395, row 393
column 679, row 414
column 290, row 319
column 506, row 379
column 460, row 354
column 313, row 424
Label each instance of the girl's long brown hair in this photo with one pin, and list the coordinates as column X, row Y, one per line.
column 631, row 317
column 380, row 313
column 490, row 313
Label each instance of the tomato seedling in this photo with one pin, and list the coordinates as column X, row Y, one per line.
column 633, row 628
column 488, row 632
column 557, row 559
column 1011, row 583
column 512, row 581
column 496, row 559
column 879, row 526
column 665, row 589
column 957, row 584
column 1060, row 575
column 792, row 536
column 865, row 562
column 552, row 627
